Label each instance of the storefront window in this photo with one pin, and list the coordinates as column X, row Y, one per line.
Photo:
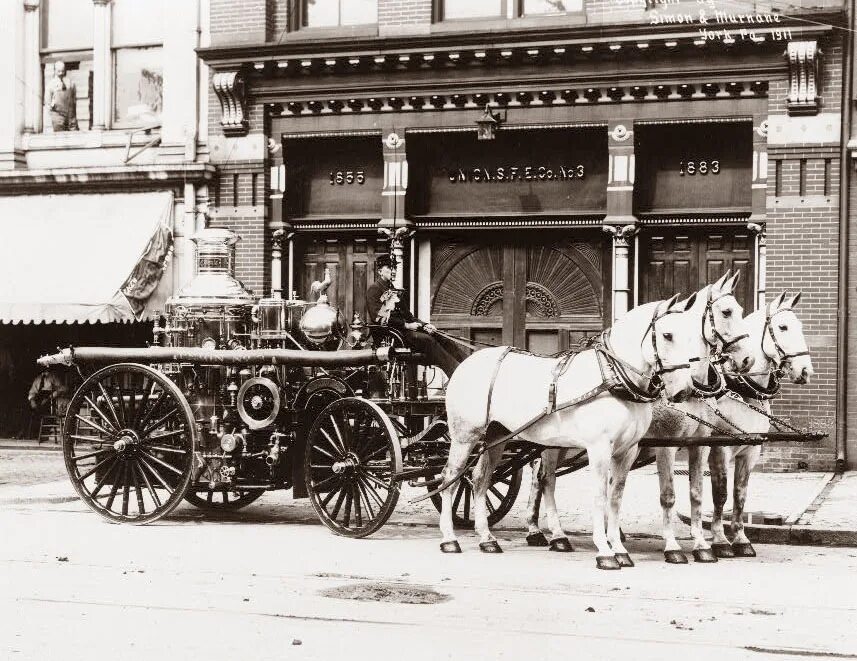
column 453, row 9
column 333, row 13
column 536, row 7
column 138, row 85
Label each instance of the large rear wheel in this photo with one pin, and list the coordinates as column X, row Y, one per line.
column 128, row 443
column 351, row 464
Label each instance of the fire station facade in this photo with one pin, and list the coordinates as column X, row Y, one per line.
column 538, row 168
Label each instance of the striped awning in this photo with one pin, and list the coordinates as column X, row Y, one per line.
column 84, row 258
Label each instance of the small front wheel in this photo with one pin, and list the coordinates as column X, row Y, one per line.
column 352, row 463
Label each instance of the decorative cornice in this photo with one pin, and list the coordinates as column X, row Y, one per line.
column 506, row 223
column 695, row 219
column 86, row 178
column 232, row 94
column 804, row 59
column 525, row 98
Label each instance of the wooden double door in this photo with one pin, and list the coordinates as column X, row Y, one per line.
column 542, row 291
column 686, row 259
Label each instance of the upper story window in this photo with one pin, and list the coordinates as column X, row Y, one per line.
column 335, row 13
column 463, row 9
column 138, row 68
column 67, row 64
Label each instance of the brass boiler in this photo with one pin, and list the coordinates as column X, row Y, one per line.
column 210, row 327
column 277, row 320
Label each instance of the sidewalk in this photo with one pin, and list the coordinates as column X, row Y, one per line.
column 782, row 508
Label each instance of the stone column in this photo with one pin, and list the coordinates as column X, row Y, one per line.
column 620, row 222
column 393, row 222
column 760, row 169
column 102, row 69
column 12, row 81
column 279, row 228
column 32, row 67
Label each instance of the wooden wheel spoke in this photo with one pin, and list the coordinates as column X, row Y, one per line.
column 327, row 454
column 366, row 475
column 113, row 427
column 496, row 492
column 210, row 496
column 168, row 434
column 91, row 439
column 381, row 450
column 149, row 487
column 156, row 475
column 109, row 401
column 113, row 491
column 141, row 508
column 339, row 436
column 146, row 398
column 348, row 500
column 126, row 489
column 81, row 457
column 145, row 433
column 326, row 481
column 328, row 498
column 338, row 504
column 161, row 462
column 94, row 468
column 488, row 504
column 324, row 467
column 105, row 477
column 366, row 490
column 89, row 422
column 158, row 448
column 151, row 411
column 336, row 447
column 358, row 514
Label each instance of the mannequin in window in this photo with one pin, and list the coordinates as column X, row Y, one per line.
column 61, row 100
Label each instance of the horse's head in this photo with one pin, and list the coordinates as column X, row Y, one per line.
column 670, row 344
column 782, row 340
column 724, row 329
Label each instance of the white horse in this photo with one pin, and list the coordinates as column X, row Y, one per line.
column 718, row 323
column 496, row 394
column 779, row 346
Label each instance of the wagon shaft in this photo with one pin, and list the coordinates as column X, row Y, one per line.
column 291, row 357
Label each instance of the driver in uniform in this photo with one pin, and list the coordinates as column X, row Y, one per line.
column 418, row 335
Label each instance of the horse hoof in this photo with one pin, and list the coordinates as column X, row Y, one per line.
column 722, row 550
column 704, row 555
column 450, row 547
column 607, row 562
column 624, row 560
column 490, row 547
column 561, row 545
column 537, row 539
column 675, row 557
column 744, row 550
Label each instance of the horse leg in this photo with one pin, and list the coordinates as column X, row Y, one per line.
column 599, row 468
column 666, row 471
column 744, row 463
column 558, row 542
column 482, row 477
column 696, row 459
column 459, row 452
column 535, row 537
column 717, row 464
column 620, row 466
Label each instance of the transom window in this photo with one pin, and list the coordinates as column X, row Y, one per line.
column 463, row 9
column 335, row 13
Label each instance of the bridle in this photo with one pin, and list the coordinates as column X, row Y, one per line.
column 660, row 368
column 708, row 315
column 743, row 385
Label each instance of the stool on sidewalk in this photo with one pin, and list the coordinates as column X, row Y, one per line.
column 50, row 425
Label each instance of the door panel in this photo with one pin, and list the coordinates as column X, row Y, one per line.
column 352, row 265
column 682, row 260
column 542, row 292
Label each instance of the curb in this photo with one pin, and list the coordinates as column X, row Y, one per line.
column 793, row 534
column 30, row 447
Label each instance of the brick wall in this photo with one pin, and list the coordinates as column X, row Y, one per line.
column 803, row 253
column 404, row 12
column 238, row 21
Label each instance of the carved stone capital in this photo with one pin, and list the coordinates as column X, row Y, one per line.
column 232, row 94
column 621, row 233
column 31, row 5
column 804, row 77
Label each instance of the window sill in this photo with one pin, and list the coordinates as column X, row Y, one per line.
column 85, row 139
column 349, row 32
column 494, row 24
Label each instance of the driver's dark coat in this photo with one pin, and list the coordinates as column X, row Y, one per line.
column 398, row 317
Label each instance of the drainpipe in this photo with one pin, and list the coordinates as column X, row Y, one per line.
column 844, row 193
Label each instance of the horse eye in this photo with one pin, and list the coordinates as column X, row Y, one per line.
column 783, row 327
column 727, row 313
column 668, row 337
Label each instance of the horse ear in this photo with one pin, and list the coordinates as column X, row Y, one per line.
column 718, row 286
column 734, row 280
column 794, row 300
column 777, row 302
column 689, row 303
column 668, row 304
